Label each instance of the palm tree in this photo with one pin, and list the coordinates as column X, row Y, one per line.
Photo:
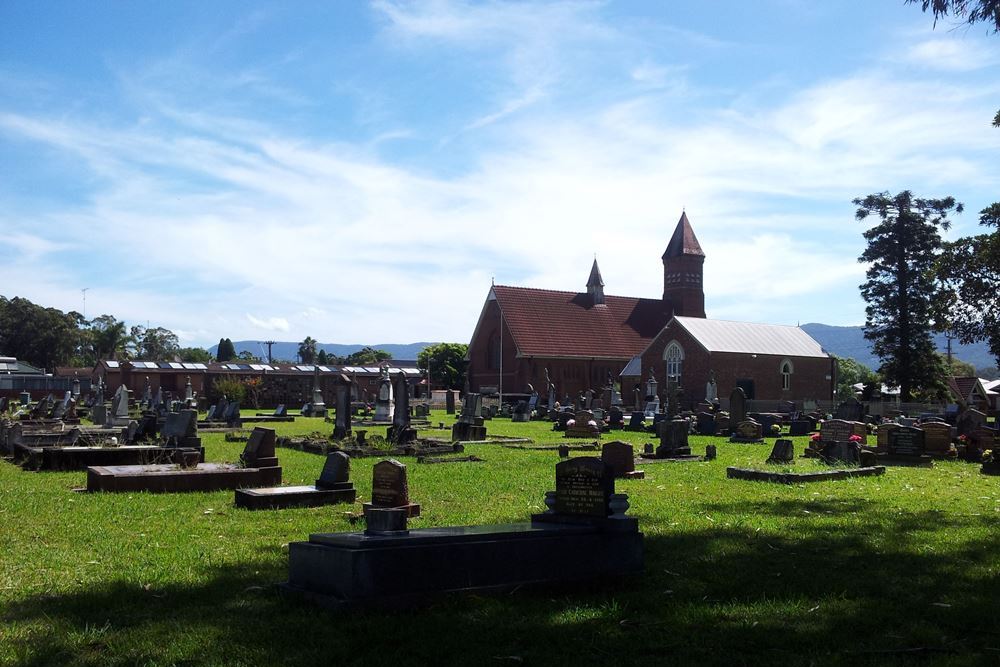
column 307, row 350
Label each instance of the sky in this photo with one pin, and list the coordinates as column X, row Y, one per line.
column 361, row 172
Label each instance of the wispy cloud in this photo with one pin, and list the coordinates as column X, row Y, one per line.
column 269, row 323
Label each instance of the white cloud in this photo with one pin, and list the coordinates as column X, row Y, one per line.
column 270, row 323
column 950, row 54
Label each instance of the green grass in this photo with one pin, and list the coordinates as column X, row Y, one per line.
column 860, row 571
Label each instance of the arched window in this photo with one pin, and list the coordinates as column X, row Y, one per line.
column 786, row 375
column 674, row 356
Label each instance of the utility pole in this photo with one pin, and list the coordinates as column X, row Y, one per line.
column 84, row 291
column 269, row 343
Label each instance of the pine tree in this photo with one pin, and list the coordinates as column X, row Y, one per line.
column 901, row 287
column 226, row 351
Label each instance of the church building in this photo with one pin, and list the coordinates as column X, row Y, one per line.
column 577, row 340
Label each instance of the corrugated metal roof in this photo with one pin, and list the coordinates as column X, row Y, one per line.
column 751, row 338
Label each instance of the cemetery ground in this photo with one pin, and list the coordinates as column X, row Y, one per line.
column 891, row 569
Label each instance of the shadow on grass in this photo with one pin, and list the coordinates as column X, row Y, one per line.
column 725, row 595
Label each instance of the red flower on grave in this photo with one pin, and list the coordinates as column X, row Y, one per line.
column 855, row 438
column 815, row 437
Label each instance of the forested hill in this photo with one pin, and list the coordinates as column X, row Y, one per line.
column 288, row 351
column 850, row 342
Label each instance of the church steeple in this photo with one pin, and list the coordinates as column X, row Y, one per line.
column 683, row 270
column 595, row 285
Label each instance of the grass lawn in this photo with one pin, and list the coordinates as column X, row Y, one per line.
column 894, row 569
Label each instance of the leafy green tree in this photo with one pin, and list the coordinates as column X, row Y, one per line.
column 248, row 356
column 849, row 373
column 155, row 344
column 226, row 351
column 322, row 359
column 44, row 337
column 970, row 271
column 194, row 355
column 957, row 368
column 900, row 289
column 108, row 337
column 366, row 356
column 307, row 350
column 446, row 362
column 967, row 11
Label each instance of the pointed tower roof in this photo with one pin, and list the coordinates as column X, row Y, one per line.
column 683, row 241
column 595, row 276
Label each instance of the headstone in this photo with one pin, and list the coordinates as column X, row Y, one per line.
column 281, row 410
column 841, row 452
column 59, row 409
column 842, row 430
column 711, row 452
column 342, row 425
column 390, row 488
column 384, row 405
column 400, row 432
column 850, row 410
column 636, row 421
column 232, row 414
column 767, row 420
column 336, row 471
column 583, row 487
column 747, row 431
column 616, row 419
column 906, row 441
column 449, row 402
column 619, row 457
column 469, row 425
column 722, row 423
column 673, row 435
column 737, row 406
column 259, row 450
column 706, row 423
column 188, row 391
column 521, row 412
column 937, row 438
column 584, row 426
column 75, row 390
column 882, row 434
column 969, row 421
column 800, row 427
column 782, row 452
column 180, row 429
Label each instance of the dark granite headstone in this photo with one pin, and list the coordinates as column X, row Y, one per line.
column 583, row 487
column 673, row 438
column 449, row 402
column 400, row 431
column 616, row 419
column 906, row 441
column 389, row 485
column 969, row 421
column 342, row 426
column 179, row 428
column 259, row 450
column 620, row 459
column 841, row 452
column 850, row 410
column 937, row 438
column 737, row 406
column 783, row 452
column 800, row 427
column 336, row 471
column 281, row 411
column 838, row 430
column 706, row 423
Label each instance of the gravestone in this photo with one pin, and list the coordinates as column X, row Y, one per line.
column 259, row 450
column 390, row 488
column 840, row 452
column 673, row 435
column 232, row 414
column 906, row 441
column 882, row 434
column 317, row 408
column 969, row 421
column 636, row 422
column 747, row 431
column 180, row 429
column 470, row 422
column 584, row 426
column 620, row 459
column 59, row 409
column 119, row 407
column 342, row 424
column 767, row 420
column 384, row 407
column 737, row 406
column 210, row 414
column 583, row 487
column 722, row 422
column 281, row 410
column 705, row 424
column 937, row 438
column 842, row 430
column 850, row 410
column 800, row 427
column 711, row 452
column 188, row 392
column 220, row 410
column 782, row 452
column 616, row 419
column 336, row 472
column 521, row 412
column 449, row 402
column 401, row 432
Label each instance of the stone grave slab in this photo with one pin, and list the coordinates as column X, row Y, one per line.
column 783, row 452
column 937, row 439
column 752, row 475
column 907, row 448
column 333, row 486
column 620, row 458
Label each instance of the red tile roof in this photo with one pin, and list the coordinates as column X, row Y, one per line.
column 548, row 323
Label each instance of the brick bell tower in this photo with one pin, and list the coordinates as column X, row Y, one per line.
column 683, row 272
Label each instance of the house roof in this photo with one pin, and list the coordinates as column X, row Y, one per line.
column 550, row 323
column 683, row 241
column 965, row 387
column 751, row 338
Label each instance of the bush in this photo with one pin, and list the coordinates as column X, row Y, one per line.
column 233, row 388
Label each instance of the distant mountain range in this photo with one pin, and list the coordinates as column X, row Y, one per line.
column 289, row 351
column 841, row 341
column 850, row 342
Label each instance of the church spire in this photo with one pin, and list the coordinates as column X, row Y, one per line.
column 595, row 284
column 683, row 270
column 683, row 241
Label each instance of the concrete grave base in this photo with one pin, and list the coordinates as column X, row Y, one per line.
column 173, row 478
column 923, row 461
column 282, row 497
column 350, row 569
column 80, row 458
column 752, row 475
column 412, row 509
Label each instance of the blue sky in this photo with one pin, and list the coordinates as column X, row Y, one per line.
column 359, row 172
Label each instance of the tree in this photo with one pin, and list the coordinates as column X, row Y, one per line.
column 108, row 337
column 45, row 337
column 225, row 351
column 957, row 368
column 194, row 355
column 156, row 343
column 849, row 373
column 900, row 289
column 968, row 11
column 322, row 358
column 970, row 271
column 446, row 362
column 307, row 350
column 366, row 356
column 248, row 356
